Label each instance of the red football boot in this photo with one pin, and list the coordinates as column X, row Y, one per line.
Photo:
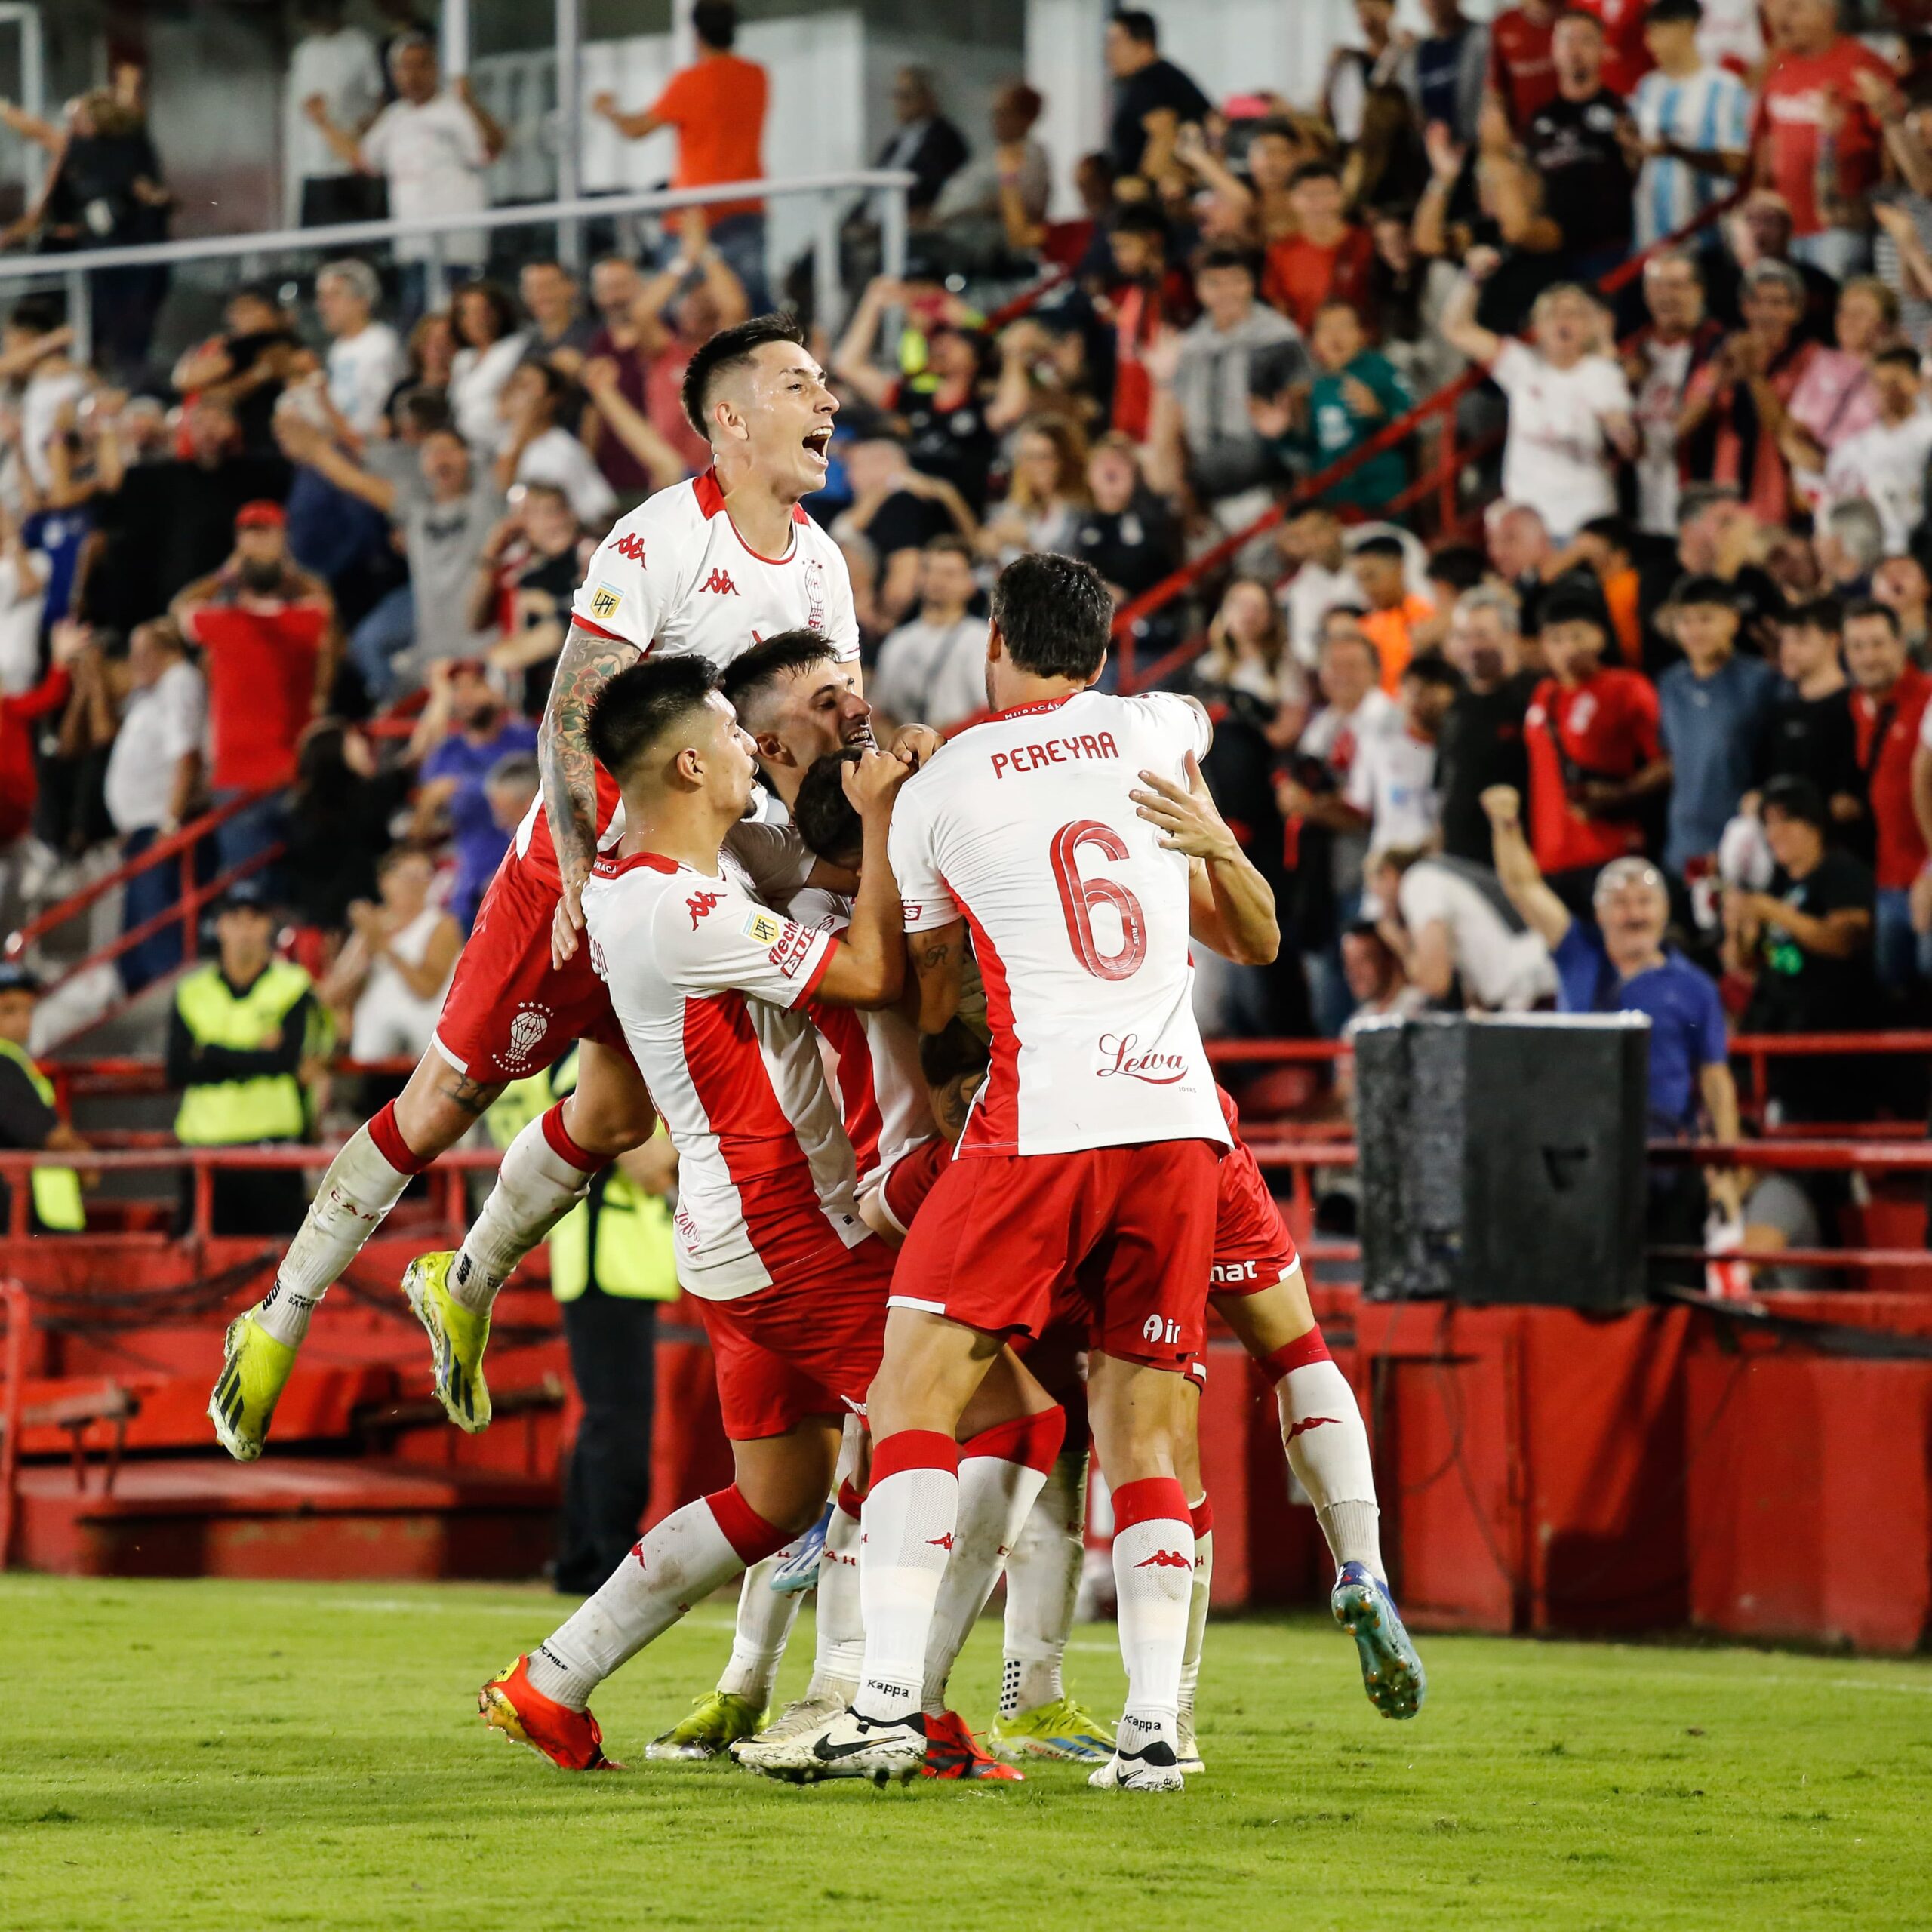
column 511, row 1703
column 953, row 1751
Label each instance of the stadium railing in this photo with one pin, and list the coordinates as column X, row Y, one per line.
column 831, row 193
column 20, row 1322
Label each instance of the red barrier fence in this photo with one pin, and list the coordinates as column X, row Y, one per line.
column 20, row 1316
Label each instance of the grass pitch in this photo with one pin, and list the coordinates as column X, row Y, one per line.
column 203, row 1755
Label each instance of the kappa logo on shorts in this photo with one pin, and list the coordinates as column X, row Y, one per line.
column 700, row 903
column 630, row 546
column 529, row 1026
column 1157, row 1328
column 604, row 600
column 763, row 928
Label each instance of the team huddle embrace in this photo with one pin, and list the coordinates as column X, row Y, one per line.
column 955, row 1182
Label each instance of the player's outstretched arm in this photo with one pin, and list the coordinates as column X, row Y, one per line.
column 585, row 665
column 1542, row 912
column 869, row 967
column 1231, row 909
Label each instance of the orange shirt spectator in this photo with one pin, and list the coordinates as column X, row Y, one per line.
column 1390, row 631
column 1380, row 565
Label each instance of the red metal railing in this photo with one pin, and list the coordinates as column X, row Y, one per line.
column 19, row 1317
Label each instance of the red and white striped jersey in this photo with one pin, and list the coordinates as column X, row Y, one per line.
column 711, row 988
column 1022, row 826
column 881, row 1089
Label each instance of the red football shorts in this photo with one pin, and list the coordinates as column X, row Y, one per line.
column 1253, row 1248
column 1123, row 1235
column 808, row 1345
column 509, row 1012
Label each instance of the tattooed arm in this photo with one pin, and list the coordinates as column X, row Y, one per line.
column 586, row 664
column 938, row 963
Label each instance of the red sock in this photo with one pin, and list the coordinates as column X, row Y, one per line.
column 1297, row 1354
column 390, row 1144
column 565, row 1148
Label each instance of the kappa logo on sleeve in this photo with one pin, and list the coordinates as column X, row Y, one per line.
column 764, row 928
column 700, row 903
column 631, row 545
column 605, row 601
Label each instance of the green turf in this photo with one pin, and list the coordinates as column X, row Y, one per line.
column 206, row 1755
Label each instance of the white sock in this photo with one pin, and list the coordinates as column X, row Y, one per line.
column 1153, row 1574
column 996, row 1492
column 907, row 1534
column 1328, row 1451
column 839, row 1654
column 679, row 1563
column 1197, row 1614
column 536, row 1188
column 1042, row 1585
column 355, row 1196
column 765, row 1619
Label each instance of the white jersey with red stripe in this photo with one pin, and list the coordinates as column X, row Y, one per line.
column 711, row 988
column 1022, row 826
column 881, row 1090
column 674, row 576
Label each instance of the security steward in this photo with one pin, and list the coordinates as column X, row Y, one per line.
column 611, row 1262
column 245, row 1037
column 28, row 1121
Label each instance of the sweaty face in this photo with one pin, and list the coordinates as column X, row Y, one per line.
column 729, row 757
column 780, row 412
column 820, row 711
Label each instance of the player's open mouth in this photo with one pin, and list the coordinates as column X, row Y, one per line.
column 819, row 444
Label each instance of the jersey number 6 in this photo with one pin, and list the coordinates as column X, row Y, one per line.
column 1079, row 896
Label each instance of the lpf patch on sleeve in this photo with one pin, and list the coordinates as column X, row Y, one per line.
column 765, row 928
column 604, row 600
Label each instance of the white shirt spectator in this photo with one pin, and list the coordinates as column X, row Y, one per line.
column 1885, row 463
column 1705, row 111
column 477, row 380
column 1556, row 455
column 1504, row 967
column 433, row 157
column 932, row 674
column 1660, row 399
column 1315, row 589
column 363, row 371
column 45, row 395
column 22, row 598
column 163, row 723
column 1391, row 778
column 391, row 1022
column 1336, row 738
column 341, row 67
column 1731, row 34
column 557, row 457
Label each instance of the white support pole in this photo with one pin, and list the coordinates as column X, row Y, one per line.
column 570, row 127
column 454, row 51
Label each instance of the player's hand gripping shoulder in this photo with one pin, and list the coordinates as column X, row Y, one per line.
column 1231, row 909
column 587, row 663
column 869, row 967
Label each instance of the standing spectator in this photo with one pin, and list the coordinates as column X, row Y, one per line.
column 685, row 303
column 248, row 366
column 1047, row 495
column 1392, row 783
column 1596, row 756
column 34, row 346
column 1354, row 396
column 1312, row 545
column 1812, row 113
column 244, row 1036
column 932, row 670
column 341, row 818
column 29, row 1123
column 336, row 64
column 925, row 143
column 1481, row 741
column 1692, row 125
column 1202, row 428
column 1713, row 708
column 1455, row 933
column 1326, row 258
column 539, row 449
column 1576, row 141
column 717, row 105
column 431, row 146
column 1522, row 67
column 387, row 984
column 1885, row 464
column 1152, row 97
column 1247, row 659
column 154, row 778
column 464, row 733
column 491, row 347
column 1735, row 413
column 559, row 331
column 1129, row 534
column 365, row 360
column 1809, row 731
column 1888, row 708
column 994, row 208
column 267, row 635
column 1446, row 69
column 1379, row 564
column 529, row 598
column 1569, row 408
column 617, row 342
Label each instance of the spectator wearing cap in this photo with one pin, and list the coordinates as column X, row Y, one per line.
column 1888, row 707
column 1152, row 97
column 268, row 644
column 1692, row 125
column 1619, row 962
column 244, row 1040
column 1576, row 141
column 1807, row 944
column 1480, row 743
column 1595, row 755
column 1570, row 408
column 155, row 773
column 29, row 1121
column 1884, row 465
column 1713, row 707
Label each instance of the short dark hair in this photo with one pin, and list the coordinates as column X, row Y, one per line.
column 1055, row 613
column 1821, row 613
column 425, row 409
column 715, row 23
column 1226, row 255
column 1431, row 667
column 1671, row 13
column 1566, row 605
column 1138, row 218
column 37, row 315
column 1611, row 530
column 1580, row 14
column 1315, row 171
column 1870, row 607
column 951, row 544
column 1898, row 356
column 1797, row 797
column 822, row 813
column 730, row 348
column 1389, row 549
column 1138, row 26
column 636, row 709
column 505, row 315
column 1461, row 566
column 751, row 673
column 955, row 1049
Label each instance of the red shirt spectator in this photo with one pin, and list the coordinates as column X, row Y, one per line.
column 1521, row 69
column 20, row 784
column 1791, row 110
column 1887, row 718
column 1298, row 275
column 1626, row 55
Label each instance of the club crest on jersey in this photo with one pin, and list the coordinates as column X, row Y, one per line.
column 527, row 1030
column 720, row 582
column 762, row 928
column 700, row 903
column 605, row 600
column 1123, row 1057
column 631, row 545
column 814, row 594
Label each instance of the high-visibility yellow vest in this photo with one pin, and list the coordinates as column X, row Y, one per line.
column 620, row 1235
column 227, row 1113
column 57, row 1191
